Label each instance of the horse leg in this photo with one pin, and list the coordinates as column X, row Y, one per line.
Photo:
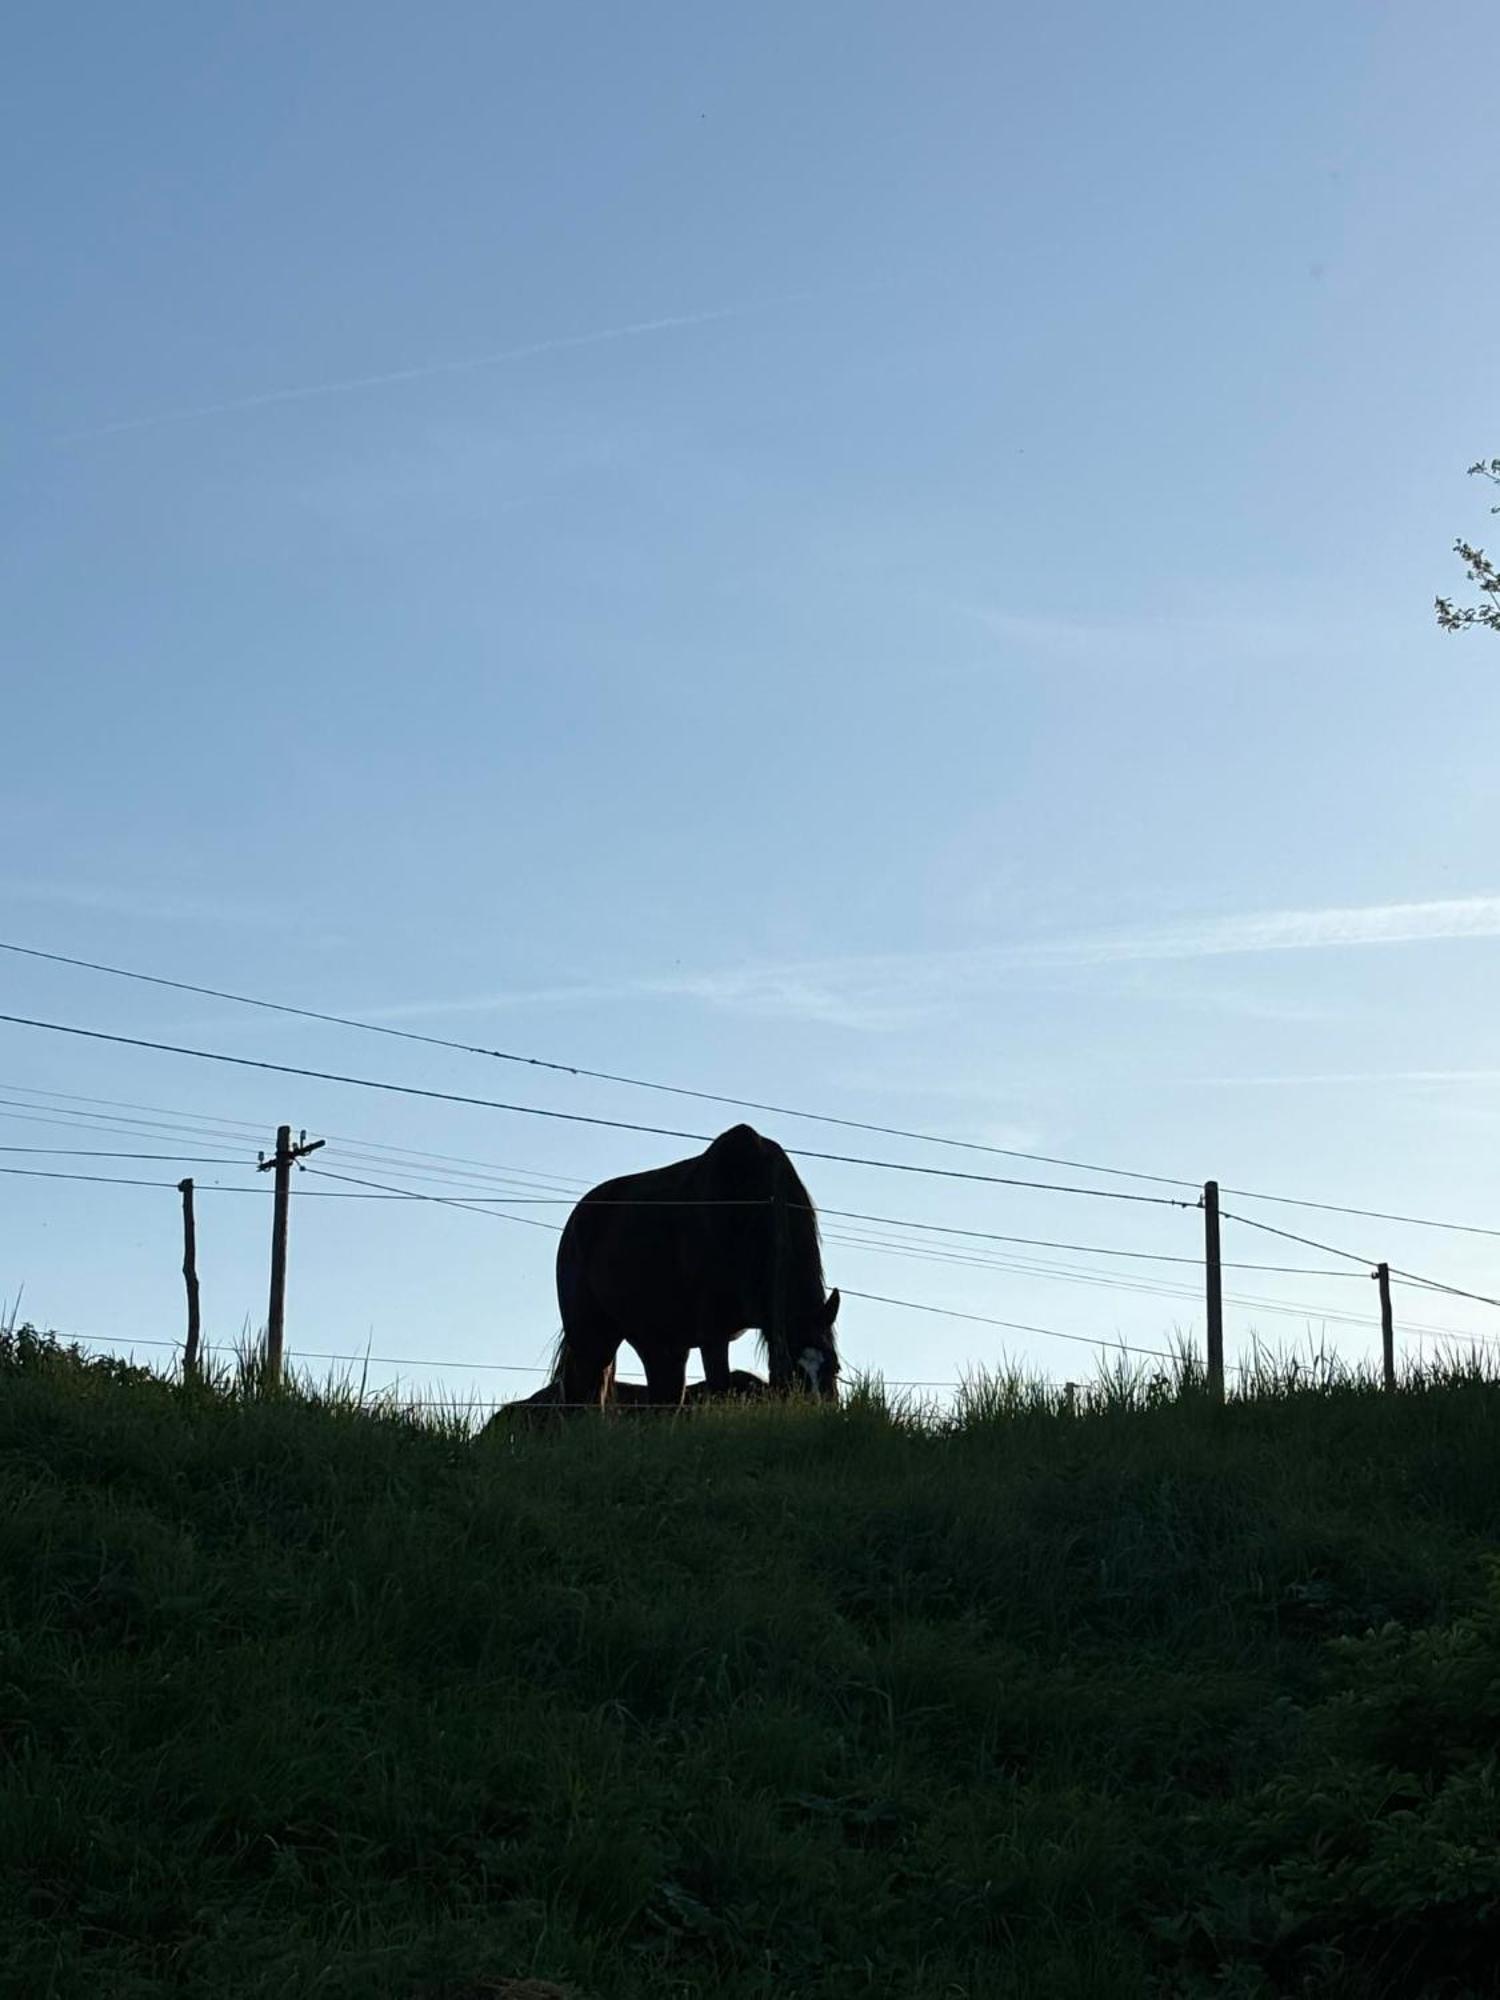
column 587, row 1360
column 716, row 1372
column 666, row 1374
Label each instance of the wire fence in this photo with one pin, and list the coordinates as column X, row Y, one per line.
column 877, row 1232
column 506, row 1194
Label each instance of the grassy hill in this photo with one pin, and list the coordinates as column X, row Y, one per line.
column 1140, row 1699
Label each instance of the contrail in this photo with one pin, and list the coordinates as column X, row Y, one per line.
column 427, row 370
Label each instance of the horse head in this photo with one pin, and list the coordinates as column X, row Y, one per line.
column 811, row 1361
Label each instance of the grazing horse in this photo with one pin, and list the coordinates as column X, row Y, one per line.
column 690, row 1255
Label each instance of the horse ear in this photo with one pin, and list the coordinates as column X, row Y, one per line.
column 831, row 1308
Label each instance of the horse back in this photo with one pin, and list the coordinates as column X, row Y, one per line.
column 665, row 1242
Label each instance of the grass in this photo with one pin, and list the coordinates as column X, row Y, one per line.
column 1135, row 1698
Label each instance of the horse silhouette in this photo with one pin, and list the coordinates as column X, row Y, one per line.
column 692, row 1255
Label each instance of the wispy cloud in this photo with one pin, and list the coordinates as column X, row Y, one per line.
column 827, row 993
column 167, row 906
column 430, row 370
column 1463, row 1078
column 1452, row 918
column 882, row 992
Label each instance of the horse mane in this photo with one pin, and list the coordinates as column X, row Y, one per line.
column 753, row 1167
column 806, row 1241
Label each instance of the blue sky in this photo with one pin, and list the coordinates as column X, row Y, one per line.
column 873, row 558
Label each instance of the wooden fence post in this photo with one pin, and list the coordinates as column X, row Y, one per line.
column 190, row 1279
column 1214, row 1278
column 1387, row 1326
column 281, row 1162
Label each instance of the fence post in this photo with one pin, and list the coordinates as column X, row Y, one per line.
column 190, row 1279
column 281, row 1162
column 1387, row 1326
column 1214, row 1278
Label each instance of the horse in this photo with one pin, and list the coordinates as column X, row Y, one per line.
column 691, row 1255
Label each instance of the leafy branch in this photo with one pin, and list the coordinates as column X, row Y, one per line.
column 1478, row 569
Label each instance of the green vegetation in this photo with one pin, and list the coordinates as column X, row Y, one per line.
column 1479, row 569
column 1143, row 1698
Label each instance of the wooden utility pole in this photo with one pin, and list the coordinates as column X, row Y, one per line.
column 1214, row 1277
column 281, row 1163
column 190, row 1279
column 1387, row 1326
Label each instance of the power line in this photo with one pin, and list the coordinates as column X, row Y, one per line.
column 488, row 1206
column 1368, row 1214
column 62, row 1119
column 379, row 1190
column 511, row 1185
column 676, row 1090
column 496, row 1172
column 1010, row 1325
column 1089, row 1249
column 397, row 1158
column 577, row 1070
column 176, row 1120
column 1115, row 1283
column 98, row 1153
column 71, row 1121
column 1434, row 1285
column 384, row 1191
column 568, row 1117
column 1110, row 1281
column 1396, row 1270
column 500, row 1367
column 371, row 1360
column 217, row 1187
column 442, row 1200
column 106, row 1180
column 491, row 1204
column 1485, row 1340
column 1105, row 1280
column 534, row 1369
column 1308, row 1242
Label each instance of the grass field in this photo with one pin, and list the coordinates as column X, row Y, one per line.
column 1147, row 1698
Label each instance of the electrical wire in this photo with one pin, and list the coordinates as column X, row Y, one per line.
column 676, row 1090
column 99, row 1153
column 578, row 1070
column 567, row 1117
column 493, row 1367
column 1396, row 1270
column 176, row 1121
column 1369, row 1214
column 1010, row 1325
column 442, row 1200
column 1089, row 1249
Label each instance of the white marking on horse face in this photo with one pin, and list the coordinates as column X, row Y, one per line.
column 812, row 1362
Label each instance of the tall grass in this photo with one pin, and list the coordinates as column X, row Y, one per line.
column 1033, row 1694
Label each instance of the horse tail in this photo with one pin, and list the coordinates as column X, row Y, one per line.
column 562, row 1354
